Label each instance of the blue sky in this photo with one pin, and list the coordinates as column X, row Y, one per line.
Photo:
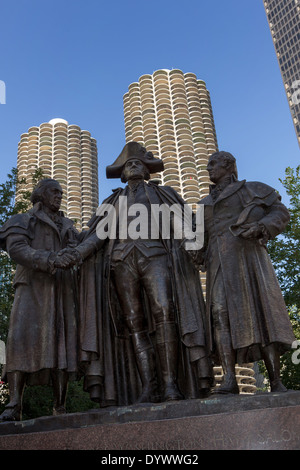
column 75, row 60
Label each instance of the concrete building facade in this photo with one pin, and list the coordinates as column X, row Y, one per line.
column 284, row 21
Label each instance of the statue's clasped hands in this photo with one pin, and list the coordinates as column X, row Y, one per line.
column 67, row 258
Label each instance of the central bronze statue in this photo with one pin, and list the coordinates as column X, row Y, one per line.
column 142, row 305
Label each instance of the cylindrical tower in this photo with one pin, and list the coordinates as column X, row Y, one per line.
column 68, row 154
column 170, row 113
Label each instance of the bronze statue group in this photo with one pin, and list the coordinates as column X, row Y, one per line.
column 127, row 313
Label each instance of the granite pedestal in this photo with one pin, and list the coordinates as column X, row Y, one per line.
column 267, row 421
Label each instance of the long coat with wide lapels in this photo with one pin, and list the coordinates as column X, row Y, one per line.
column 256, row 308
column 105, row 339
column 43, row 326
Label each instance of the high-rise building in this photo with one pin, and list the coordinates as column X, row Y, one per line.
column 69, row 155
column 284, row 21
column 170, row 113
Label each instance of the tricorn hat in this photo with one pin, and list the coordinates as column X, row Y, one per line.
column 130, row 151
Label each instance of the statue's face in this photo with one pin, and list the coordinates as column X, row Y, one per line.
column 217, row 169
column 134, row 169
column 52, row 197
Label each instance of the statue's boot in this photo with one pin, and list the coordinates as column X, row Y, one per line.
column 167, row 345
column 226, row 354
column 60, row 388
column 145, row 357
column 13, row 410
column 271, row 358
column 228, row 385
column 205, row 374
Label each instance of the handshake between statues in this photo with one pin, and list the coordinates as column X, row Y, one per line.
column 66, row 258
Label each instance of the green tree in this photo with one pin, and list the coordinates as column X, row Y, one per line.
column 9, row 207
column 285, row 254
column 285, row 249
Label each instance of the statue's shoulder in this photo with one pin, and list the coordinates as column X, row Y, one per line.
column 16, row 224
column 115, row 193
column 168, row 193
column 258, row 188
column 168, row 189
column 205, row 200
column 258, row 191
column 18, row 220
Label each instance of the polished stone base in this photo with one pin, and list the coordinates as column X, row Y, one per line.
column 265, row 421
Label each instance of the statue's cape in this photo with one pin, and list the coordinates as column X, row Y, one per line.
column 104, row 335
column 24, row 224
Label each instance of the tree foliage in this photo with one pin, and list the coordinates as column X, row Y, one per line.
column 285, row 249
column 285, row 254
column 9, row 207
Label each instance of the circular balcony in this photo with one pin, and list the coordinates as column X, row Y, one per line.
column 44, row 125
column 181, row 121
column 85, row 135
column 145, row 79
column 133, row 86
column 189, row 171
column 166, row 126
column 171, row 171
column 172, row 180
column 72, row 128
column 184, row 133
column 149, row 104
column 164, row 137
column 33, row 145
column 161, row 86
column 191, row 193
column 170, row 157
column 191, row 182
column 33, row 130
column 168, row 151
column 149, row 123
column 163, row 98
column 60, row 143
column 134, row 103
column 34, row 139
column 186, row 154
column 149, row 120
column 160, row 75
column 74, row 139
column 187, row 162
column 200, row 150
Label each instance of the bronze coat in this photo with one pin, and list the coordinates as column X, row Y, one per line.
column 104, row 337
column 256, row 308
column 43, row 326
